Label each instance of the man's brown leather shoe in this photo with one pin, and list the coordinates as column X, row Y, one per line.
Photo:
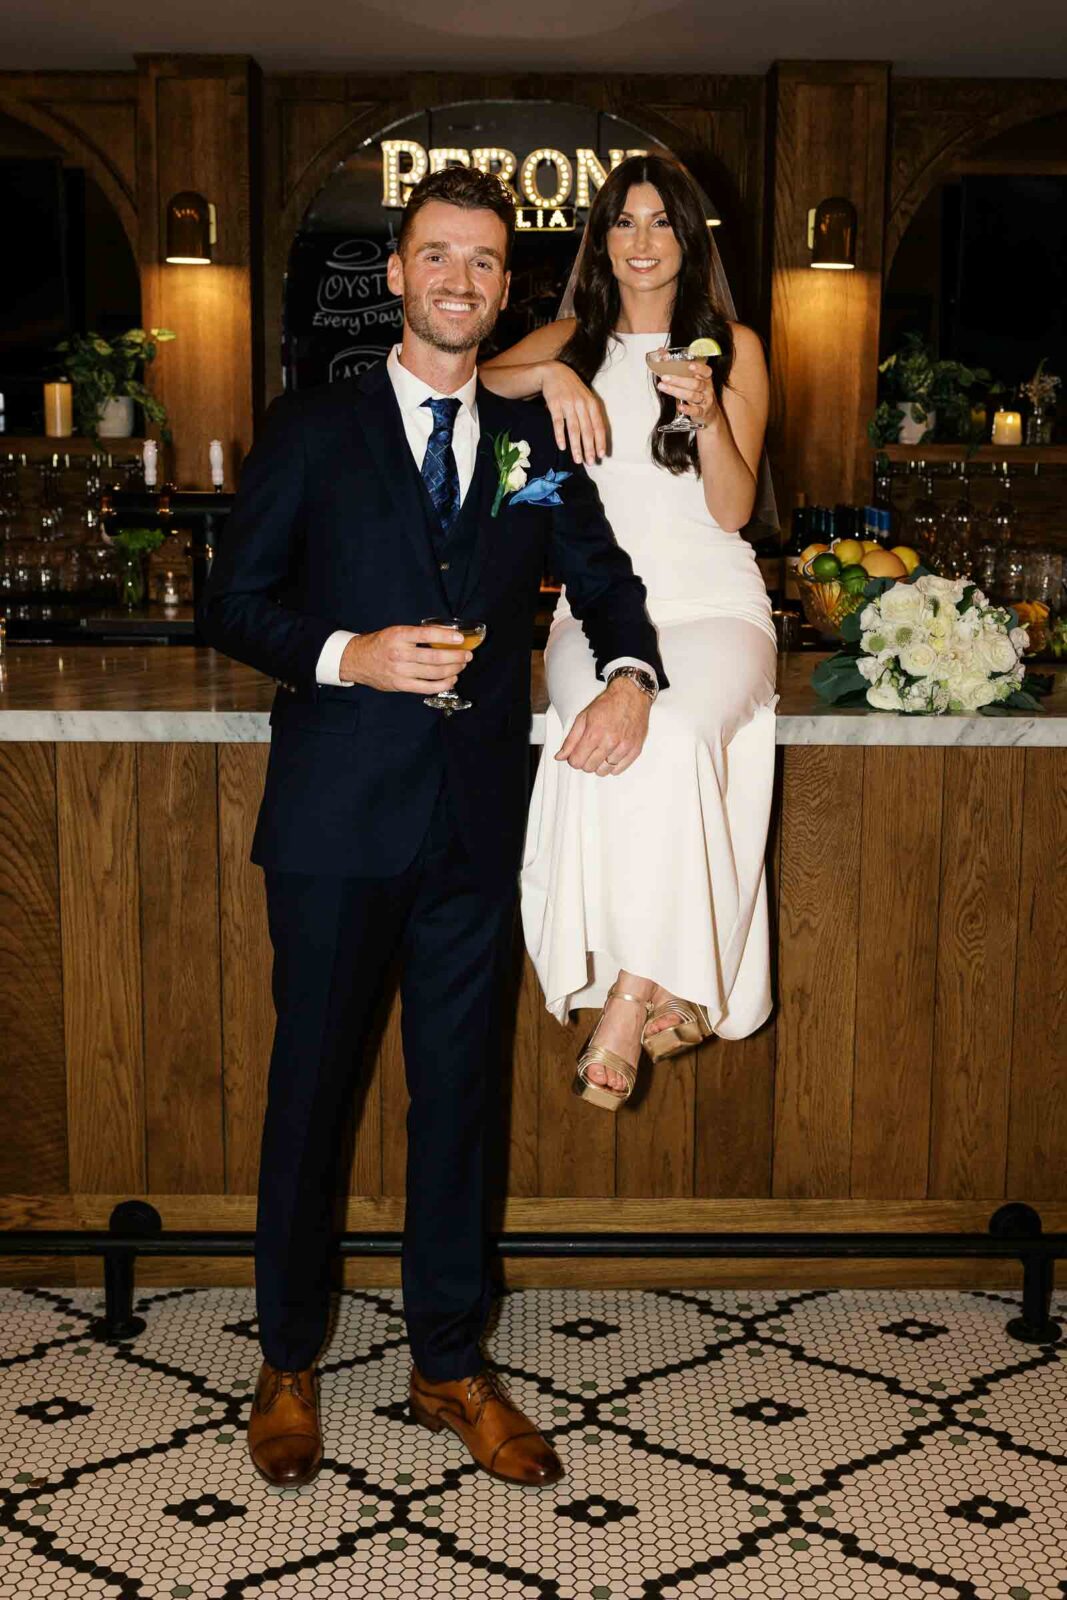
column 502, row 1441
column 284, row 1438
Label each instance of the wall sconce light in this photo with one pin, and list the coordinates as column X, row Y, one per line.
column 832, row 234
column 191, row 230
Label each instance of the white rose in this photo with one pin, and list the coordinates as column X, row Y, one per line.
column 516, row 478
column 975, row 690
column 1020, row 638
column 524, row 452
column 918, row 658
column 870, row 617
column 869, row 667
column 1001, row 653
column 948, row 589
column 883, row 695
column 902, row 604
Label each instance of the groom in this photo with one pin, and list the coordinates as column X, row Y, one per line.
column 388, row 828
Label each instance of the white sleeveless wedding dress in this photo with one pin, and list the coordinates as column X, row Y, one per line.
column 660, row 871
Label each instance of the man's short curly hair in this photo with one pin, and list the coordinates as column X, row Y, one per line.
column 466, row 187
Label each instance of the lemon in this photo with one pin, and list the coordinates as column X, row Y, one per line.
column 825, row 568
column 848, row 551
column 905, row 553
column 705, row 347
column 869, row 545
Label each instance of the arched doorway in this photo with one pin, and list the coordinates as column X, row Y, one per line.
column 339, row 317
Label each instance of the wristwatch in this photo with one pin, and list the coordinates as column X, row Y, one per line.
column 644, row 680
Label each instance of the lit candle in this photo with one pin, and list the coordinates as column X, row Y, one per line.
column 150, row 456
column 1007, row 427
column 58, row 409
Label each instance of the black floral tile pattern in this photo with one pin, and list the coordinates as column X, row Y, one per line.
column 768, row 1445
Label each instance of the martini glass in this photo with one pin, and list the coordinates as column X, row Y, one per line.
column 663, row 362
column 447, row 700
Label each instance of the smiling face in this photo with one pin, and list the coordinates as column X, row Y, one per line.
column 451, row 275
column 641, row 244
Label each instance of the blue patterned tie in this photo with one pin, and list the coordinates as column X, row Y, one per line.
column 439, row 472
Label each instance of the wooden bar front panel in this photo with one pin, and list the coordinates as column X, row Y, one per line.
column 916, row 1058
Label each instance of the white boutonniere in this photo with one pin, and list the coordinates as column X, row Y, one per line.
column 512, row 466
column 512, row 460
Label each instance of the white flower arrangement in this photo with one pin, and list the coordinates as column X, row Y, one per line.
column 929, row 646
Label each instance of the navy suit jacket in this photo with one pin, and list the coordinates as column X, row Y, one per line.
column 332, row 528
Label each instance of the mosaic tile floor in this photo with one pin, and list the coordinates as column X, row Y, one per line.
column 787, row 1444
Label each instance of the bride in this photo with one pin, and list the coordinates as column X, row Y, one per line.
column 646, row 894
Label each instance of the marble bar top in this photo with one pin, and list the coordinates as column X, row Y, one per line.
column 189, row 694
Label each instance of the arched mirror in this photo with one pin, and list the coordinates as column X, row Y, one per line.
column 66, row 266
column 981, row 272
column 339, row 316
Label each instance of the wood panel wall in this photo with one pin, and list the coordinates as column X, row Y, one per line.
column 830, row 139
column 914, row 1073
column 196, row 131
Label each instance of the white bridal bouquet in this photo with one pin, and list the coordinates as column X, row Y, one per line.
column 925, row 646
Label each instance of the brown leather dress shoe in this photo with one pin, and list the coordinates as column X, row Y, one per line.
column 284, row 1437
column 502, row 1441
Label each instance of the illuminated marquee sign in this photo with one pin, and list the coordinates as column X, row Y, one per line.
column 538, row 210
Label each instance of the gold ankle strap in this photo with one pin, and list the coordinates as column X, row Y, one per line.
column 620, row 994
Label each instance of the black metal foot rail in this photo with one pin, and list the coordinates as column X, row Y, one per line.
column 136, row 1229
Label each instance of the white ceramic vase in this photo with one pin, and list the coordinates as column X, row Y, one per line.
column 116, row 418
column 912, row 430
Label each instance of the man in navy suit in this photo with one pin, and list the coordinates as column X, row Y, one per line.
column 389, row 828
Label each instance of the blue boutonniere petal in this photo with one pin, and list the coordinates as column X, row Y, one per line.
column 543, row 491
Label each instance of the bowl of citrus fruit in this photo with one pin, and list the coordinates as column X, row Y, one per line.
column 833, row 577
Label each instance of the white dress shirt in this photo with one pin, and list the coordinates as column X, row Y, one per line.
column 417, row 418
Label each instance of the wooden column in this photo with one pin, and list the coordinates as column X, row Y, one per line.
column 830, row 139
column 196, row 118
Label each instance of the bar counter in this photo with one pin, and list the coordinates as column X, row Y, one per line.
column 913, row 1074
column 191, row 695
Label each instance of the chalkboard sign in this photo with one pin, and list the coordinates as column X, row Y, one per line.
column 341, row 316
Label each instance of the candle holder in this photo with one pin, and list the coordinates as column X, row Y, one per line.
column 1007, row 427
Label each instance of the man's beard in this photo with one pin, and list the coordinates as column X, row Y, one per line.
column 421, row 323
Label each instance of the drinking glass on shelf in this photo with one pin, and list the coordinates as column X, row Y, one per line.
column 662, row 362
column 447, row 700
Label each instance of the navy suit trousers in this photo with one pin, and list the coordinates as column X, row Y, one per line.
column 335, row 940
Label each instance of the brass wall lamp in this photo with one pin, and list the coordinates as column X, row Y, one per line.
column 191, row 230
column 832, row 234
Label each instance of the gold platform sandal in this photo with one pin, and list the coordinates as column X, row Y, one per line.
column 691, row 1029
column 598, row 1094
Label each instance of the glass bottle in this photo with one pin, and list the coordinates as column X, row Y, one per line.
column 925, row 521
column 883, row 497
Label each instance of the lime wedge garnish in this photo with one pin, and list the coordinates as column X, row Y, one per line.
column 705, row 347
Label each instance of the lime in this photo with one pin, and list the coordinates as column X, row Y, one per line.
column 825, row 568
column 705, row 347
column 854, row 579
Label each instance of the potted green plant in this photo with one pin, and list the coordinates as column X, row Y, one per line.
column 106, row 374
column 926, row 398
column 135, row 545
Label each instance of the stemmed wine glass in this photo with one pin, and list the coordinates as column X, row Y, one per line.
column 447, row 700
column 670, row 358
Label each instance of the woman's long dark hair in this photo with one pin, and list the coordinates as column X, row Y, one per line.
column 693, row 315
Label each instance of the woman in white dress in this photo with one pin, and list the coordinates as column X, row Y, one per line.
column 646, row 894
